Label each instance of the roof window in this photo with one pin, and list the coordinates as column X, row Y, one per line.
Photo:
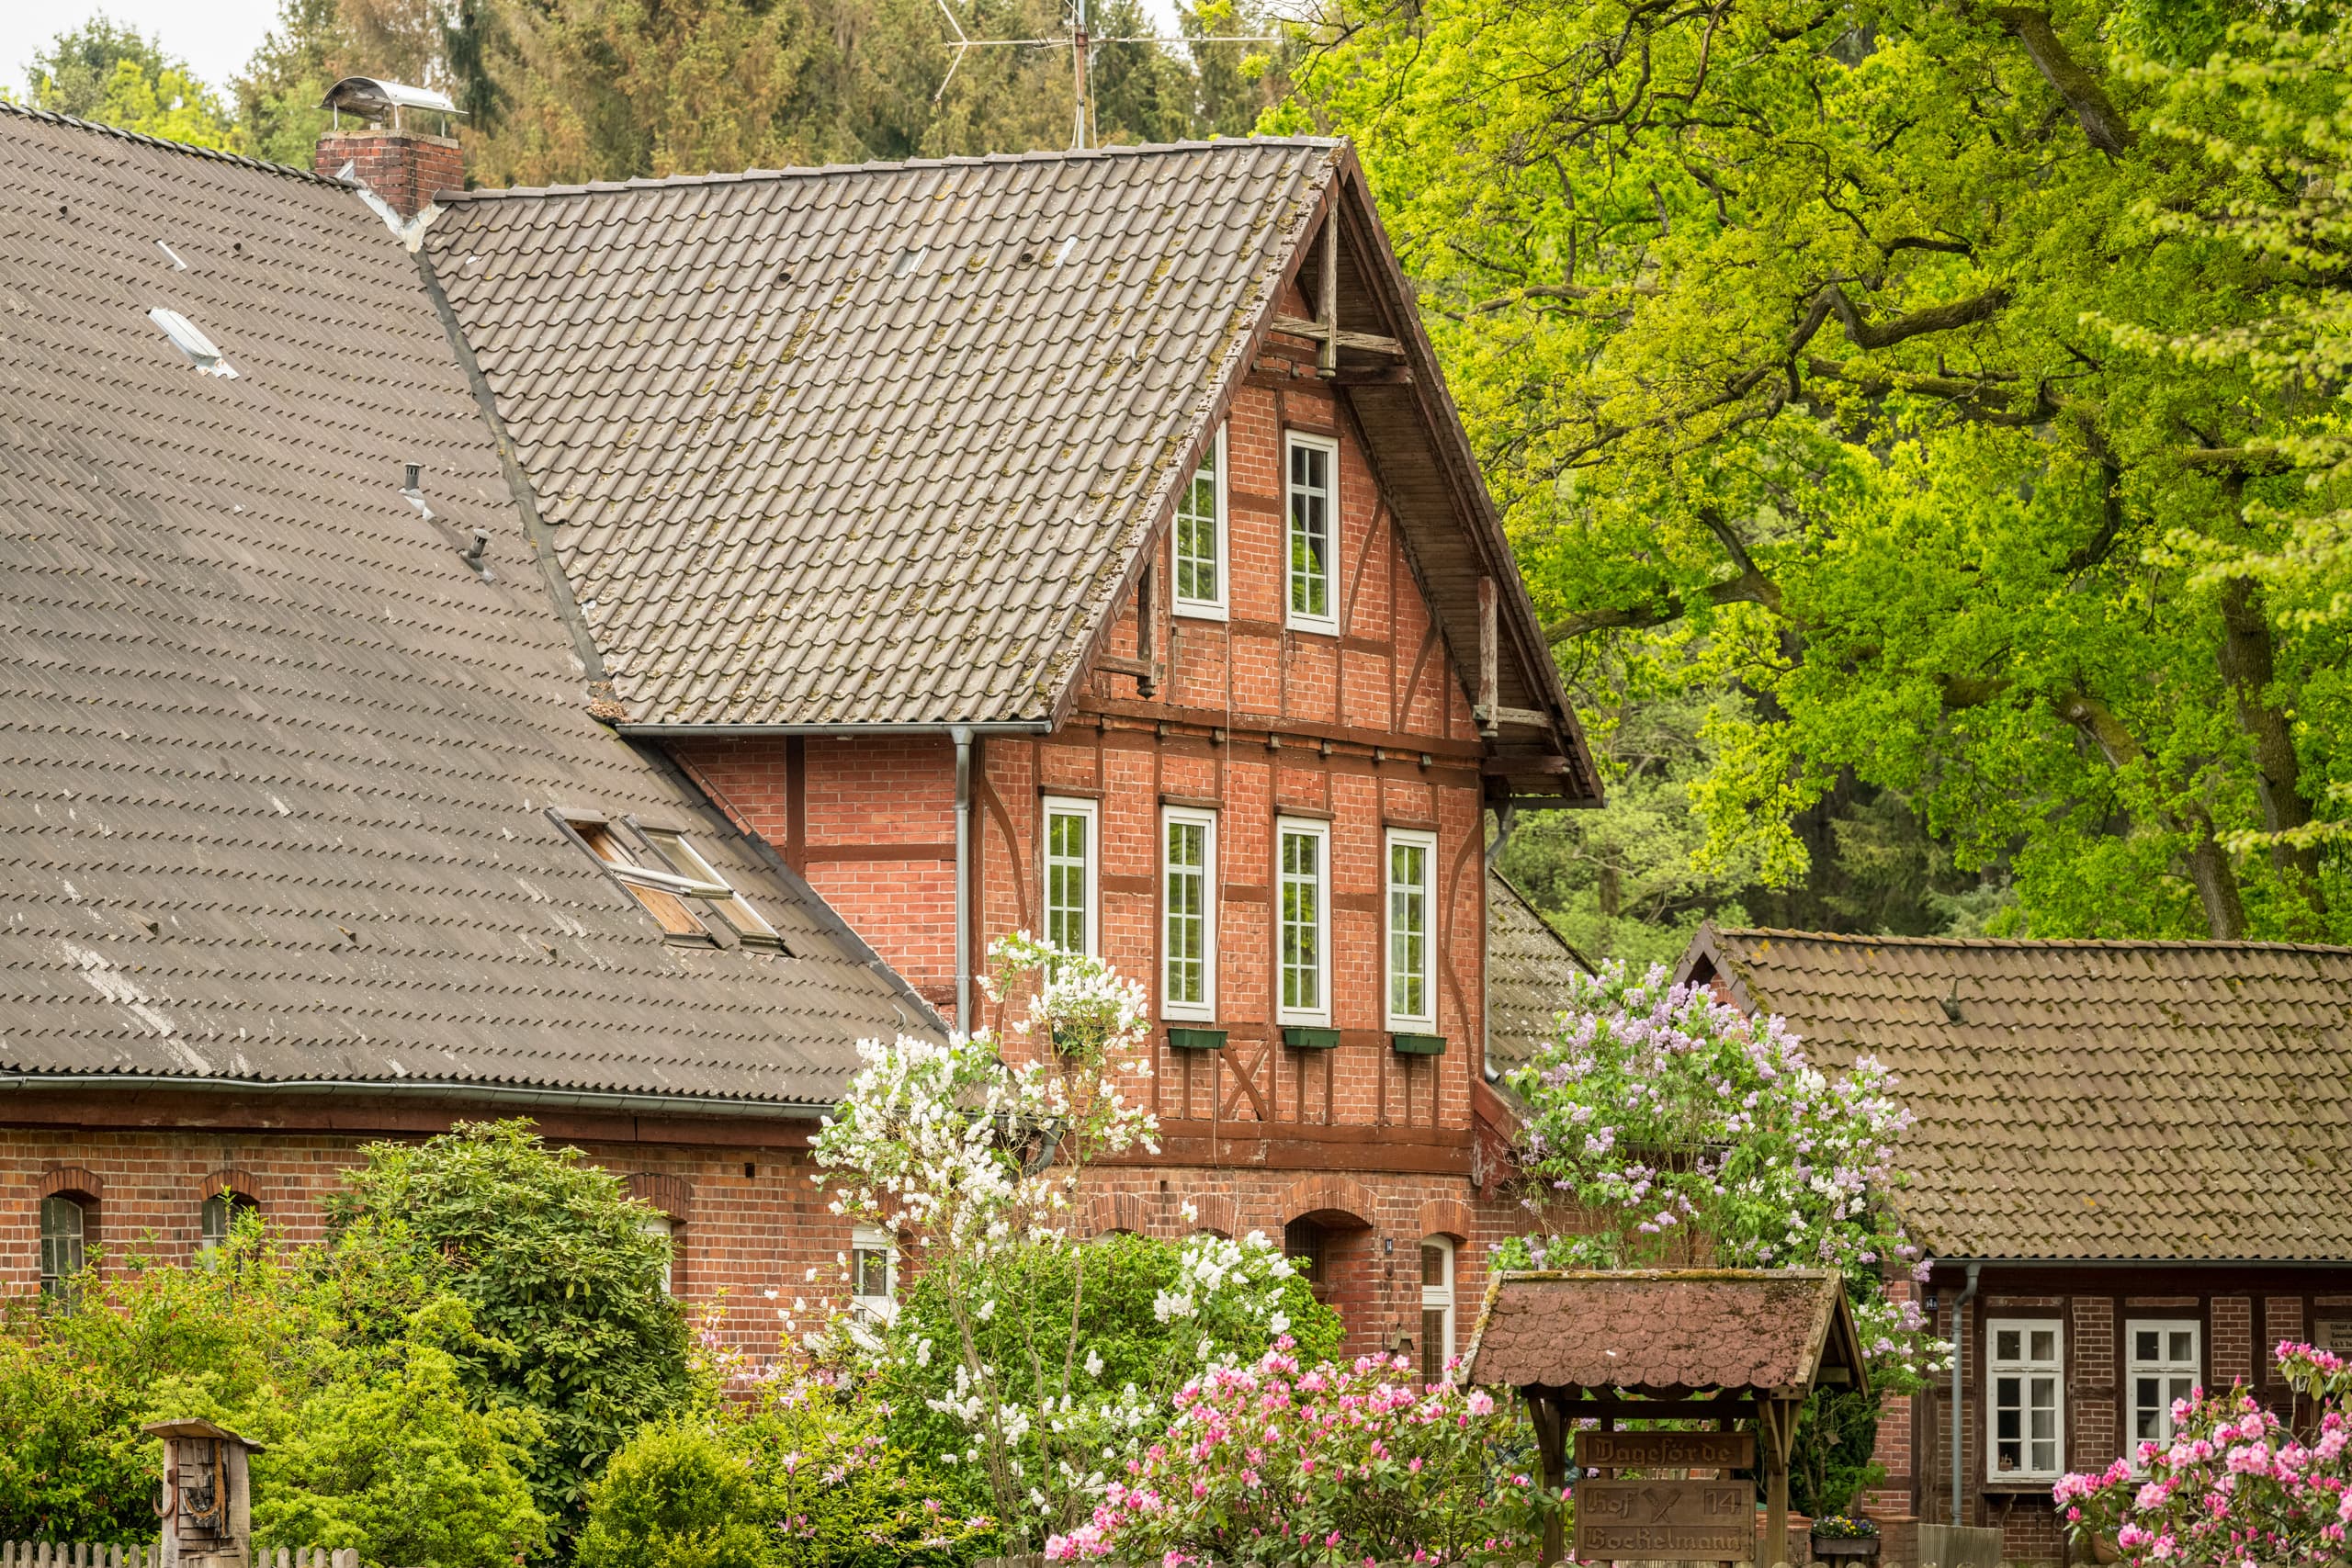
column 189, row 340
column 674, row 893
column 749, row 926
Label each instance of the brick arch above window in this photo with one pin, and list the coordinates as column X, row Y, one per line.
column 1109, row 1211
column 230, row 1178
column 1217, row 1212
column 73, row 1182
column 1444, row 1217
column 672, row 1195
column 1329, row 1195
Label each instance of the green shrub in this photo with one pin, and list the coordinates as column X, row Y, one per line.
column 402, row 1468
column 677, row 1496
column 552, row 1256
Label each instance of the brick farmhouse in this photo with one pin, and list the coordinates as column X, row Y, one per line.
column 2132, row 1169
column 596, row 654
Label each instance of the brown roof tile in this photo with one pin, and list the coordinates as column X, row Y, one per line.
column 1528, row 967
column 274, row 761
column 1662, row 1330
column 2165, row 1100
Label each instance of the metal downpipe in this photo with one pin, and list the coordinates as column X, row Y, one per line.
column 962, row 734
column 1958, row 1345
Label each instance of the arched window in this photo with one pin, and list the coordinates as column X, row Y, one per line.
column 220, row 1213
column 64, row 1224
column 660, row 1224
column 1437, row 1306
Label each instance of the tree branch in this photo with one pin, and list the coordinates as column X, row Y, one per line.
column 2106, row 128
column 1931, row 319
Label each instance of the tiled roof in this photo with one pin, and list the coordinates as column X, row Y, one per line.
column 274, row 759
column 866, row 445
column 2092, row 1099
column 1528, row 969
column 1661, row 1330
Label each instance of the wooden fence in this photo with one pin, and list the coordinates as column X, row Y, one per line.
column 150, row 1554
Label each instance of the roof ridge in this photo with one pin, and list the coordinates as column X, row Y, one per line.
column 216, row 153
column 825, row 171
column 2031, row 943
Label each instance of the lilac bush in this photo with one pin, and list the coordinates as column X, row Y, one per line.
column 1689, row 1134
column 1273, row 1464
column 2234, row 1485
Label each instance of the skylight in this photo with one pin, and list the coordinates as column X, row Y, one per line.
column 670, row 893
column 185, row 336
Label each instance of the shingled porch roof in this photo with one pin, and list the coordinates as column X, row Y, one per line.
column 2110, row 1100
column 1664, row 1332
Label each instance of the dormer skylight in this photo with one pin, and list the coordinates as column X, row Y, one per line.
column 185, row 336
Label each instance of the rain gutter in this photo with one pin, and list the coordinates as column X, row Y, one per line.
column 848, row 729
column 442, row 1089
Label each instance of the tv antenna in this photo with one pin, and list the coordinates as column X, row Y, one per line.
column 1079, row 43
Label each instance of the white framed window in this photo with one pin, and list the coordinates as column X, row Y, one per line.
column 1070, row 856
column 660, row 1224
column 2162, row 1364
column 1311, row 499
column 873, row 1271
column 1198, row 552
column 1412, row 906
column 1188, row 914
column 1302, row 875
column 1437, row 1306
column 750, row 927
column 2027, row 1367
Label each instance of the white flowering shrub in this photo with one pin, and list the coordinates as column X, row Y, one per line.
column 1688, row 1134
column 1027, row 1360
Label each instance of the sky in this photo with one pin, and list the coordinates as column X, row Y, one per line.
column 216, row 37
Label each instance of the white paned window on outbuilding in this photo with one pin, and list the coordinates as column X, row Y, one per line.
column 2027, row 1366
column 2162, row 1367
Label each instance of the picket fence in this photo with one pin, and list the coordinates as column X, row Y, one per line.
column 150, row 1554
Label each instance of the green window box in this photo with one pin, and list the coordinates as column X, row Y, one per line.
column 1195, row 1039
column 1419, row 1044
column 1302, row 1039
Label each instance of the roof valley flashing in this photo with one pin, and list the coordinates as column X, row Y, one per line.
column 291, row 830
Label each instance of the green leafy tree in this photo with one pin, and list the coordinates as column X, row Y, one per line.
column 677, row 1496
column 1924, row 362
column 295, row 1347
column 116, row 75
column 553, row 1258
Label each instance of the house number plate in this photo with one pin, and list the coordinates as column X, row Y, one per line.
column 1683, row 1521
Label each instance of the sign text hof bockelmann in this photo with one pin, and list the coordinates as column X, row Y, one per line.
column 1686, row 1521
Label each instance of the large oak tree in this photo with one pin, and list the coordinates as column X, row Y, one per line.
column 1959, row 380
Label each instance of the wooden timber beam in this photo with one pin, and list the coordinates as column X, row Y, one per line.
column 1370, row 343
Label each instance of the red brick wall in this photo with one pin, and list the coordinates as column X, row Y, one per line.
column 747, row 1232
column 1369, row 727
column 402, row 168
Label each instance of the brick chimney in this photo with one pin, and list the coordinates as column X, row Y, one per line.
column 403, row 167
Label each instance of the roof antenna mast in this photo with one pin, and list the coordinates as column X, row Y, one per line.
column 1081, row 45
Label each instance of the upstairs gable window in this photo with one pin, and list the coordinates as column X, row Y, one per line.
column 1412, row 999
column 1311, row 496
column 1304, row 991
column 1198, row 550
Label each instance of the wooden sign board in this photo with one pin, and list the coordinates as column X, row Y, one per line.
column 2333, row 1334
column 1675, row 1521
column 1666, row 1451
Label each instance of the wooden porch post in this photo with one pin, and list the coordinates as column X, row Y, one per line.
column 1551, row 1441
column 1776, row 1420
